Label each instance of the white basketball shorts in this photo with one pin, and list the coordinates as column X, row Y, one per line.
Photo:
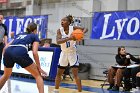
column 70, row 58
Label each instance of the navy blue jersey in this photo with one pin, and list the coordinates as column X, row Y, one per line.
column 26, row 40
column 17, row 52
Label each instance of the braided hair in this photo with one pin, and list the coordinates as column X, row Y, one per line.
column 70, row 18
column 31, row 27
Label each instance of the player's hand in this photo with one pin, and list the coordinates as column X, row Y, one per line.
column 72, row 37
column 138, row 74
column 42, row 72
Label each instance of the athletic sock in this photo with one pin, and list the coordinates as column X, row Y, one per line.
column 56, row 91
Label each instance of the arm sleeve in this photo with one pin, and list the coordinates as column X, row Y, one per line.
column 36, row 39
column 137, row 60
column 120, row 60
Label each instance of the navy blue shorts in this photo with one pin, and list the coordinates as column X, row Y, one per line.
column 17, row 55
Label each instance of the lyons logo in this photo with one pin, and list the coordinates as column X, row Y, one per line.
column 44, row 62
column 117, row 25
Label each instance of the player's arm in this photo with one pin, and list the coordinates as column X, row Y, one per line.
column 61, row 40
column 83, row 29
column 36, row 58
column 35, row 53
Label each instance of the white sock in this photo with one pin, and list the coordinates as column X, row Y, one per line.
column 56, row 89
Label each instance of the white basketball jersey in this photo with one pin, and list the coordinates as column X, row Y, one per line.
column 70, row 45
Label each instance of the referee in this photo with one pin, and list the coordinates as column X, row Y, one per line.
column 3, row 36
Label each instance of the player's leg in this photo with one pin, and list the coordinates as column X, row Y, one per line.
column 63, row 62
column 36, row 74
column 73, row 60
column 77, row 79
column 58, row 77
column 5, row 76
column 8, row 65
column 27, row 63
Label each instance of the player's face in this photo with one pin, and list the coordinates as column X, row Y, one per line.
column 122, row 51
column 64, row 22
column 1, row 18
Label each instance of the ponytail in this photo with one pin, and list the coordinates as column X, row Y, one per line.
column 70, row 18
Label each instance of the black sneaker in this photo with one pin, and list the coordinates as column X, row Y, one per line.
column 110, row 87
column 127, row 89
column 115, row 88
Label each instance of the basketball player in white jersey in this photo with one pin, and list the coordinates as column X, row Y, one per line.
column 68, row 54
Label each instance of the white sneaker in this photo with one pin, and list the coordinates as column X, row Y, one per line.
column 135, row 90
column 76, row 92
column 55, row 91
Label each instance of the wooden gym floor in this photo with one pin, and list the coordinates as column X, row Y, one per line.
column 24, row 85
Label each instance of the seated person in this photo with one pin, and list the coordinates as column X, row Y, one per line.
column 138, row 81
column 115, row 75
column 46, row 44
column 133, row 73
column 137, row 89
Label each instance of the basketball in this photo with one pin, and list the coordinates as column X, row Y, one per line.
column 78, row 34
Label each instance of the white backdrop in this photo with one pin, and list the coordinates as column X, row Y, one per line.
column 45, row 58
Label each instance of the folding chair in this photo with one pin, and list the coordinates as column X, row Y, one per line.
column 67, row 72
column 105, row 81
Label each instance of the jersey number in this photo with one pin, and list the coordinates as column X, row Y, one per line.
column 67, row 44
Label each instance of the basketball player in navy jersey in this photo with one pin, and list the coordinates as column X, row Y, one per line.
column 68, row 54
column 17, row 52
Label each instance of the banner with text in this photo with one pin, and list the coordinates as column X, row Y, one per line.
column 119, row 25
column 3, row 1
column 19, row 24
